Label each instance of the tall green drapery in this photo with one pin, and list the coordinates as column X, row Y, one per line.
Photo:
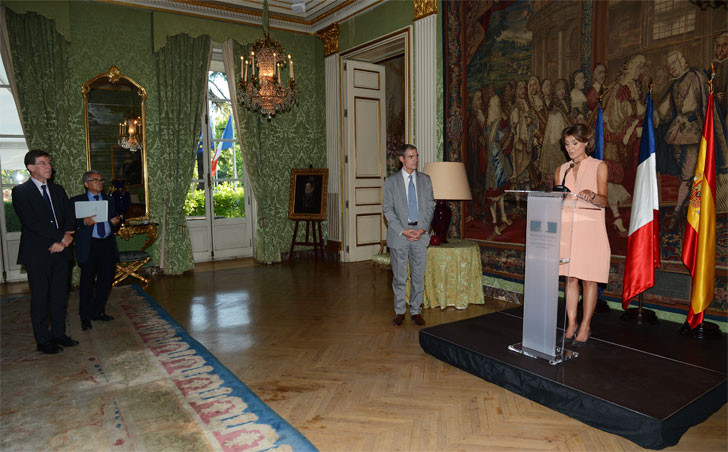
column 182, row 70
column 272, row 148
column 267, row 247
column 46, row 97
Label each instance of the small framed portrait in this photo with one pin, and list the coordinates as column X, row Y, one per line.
column 307, row 200
column 127, row 165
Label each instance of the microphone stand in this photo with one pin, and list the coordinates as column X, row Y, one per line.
column 561, row 187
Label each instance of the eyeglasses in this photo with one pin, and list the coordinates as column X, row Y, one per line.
column 96, row 180
column 42, row 164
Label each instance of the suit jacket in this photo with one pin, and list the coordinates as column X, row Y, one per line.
column 37, row 234
column 394, row 205
column 83, row 231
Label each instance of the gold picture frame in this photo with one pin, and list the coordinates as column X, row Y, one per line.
column 307, row 200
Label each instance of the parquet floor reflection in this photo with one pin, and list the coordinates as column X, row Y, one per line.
column 315, row 341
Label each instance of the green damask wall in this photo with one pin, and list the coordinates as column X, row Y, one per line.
column 379, row 21
column 384, row 19
column 102, row 35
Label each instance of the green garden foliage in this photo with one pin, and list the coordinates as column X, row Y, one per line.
column 228, row 200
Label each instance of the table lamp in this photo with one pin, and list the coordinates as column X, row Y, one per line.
column 449, row 183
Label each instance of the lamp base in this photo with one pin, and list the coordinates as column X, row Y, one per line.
column 441, row 220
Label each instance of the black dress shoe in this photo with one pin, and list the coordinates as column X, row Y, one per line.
column 103, row 318
column 49, row 348
column 86, row 325
column 398, row 319
column 418, row 319
column 65, row 341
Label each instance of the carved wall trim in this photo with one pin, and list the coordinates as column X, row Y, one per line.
column 424, row 8
column 330, row 37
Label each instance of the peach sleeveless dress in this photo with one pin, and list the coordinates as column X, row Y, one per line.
column 590, row 251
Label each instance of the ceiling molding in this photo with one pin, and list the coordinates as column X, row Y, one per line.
column 319, row 13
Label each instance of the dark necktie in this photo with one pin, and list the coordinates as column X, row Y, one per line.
column 50, row 205
column 100, row 228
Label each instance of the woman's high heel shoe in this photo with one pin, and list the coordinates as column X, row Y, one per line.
column 576, row 343
column 569, row 340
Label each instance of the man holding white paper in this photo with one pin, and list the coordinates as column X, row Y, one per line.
column 96, row 251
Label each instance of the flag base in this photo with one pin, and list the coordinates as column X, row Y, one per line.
column 640, row 316
column 704, row 331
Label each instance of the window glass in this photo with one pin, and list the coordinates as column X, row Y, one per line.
column 9, row 120
column 225, row 161
column 195, row 201
column 12, row 151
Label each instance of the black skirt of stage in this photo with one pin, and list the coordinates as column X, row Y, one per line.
column 647, row 383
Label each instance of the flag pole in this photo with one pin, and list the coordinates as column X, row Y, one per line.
column 639, row 315
column 602, row 305
column 704, row 330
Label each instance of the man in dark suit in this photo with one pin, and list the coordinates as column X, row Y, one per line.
column 96, row 253
column 47, row 226
column 408, row 204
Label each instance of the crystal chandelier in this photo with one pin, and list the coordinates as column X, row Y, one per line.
column 261, row 88
column 130, row 134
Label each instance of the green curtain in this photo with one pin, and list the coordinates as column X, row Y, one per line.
column 182, row 70
column 50, row 120
column 257, row 151
column 295, row 139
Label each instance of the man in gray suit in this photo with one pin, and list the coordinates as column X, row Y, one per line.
column 408, row 206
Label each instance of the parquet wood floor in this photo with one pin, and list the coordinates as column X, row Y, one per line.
column 315, row 341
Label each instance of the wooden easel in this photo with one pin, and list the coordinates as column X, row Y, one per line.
column 318, row 239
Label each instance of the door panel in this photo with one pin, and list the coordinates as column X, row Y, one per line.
column 365, row 159
column 367, row 229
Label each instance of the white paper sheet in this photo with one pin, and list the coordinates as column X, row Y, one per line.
column 88, row 208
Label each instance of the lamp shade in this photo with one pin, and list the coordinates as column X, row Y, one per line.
column 449, row 180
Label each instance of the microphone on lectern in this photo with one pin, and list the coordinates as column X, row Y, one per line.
column 562, row 187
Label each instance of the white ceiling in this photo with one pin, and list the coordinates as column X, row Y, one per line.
column 318, row 14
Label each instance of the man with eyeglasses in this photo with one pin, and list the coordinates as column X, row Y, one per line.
column 47, row 229
column 96, row 253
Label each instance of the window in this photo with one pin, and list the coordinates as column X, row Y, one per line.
column 12, row 151
column 672, row 17
column 218, row 156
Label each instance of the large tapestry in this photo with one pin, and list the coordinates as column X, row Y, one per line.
column 519, row 72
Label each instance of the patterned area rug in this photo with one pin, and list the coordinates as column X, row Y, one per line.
column 138, row 383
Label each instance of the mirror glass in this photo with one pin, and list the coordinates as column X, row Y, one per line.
column 116, row 140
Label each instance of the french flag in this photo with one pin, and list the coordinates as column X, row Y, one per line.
column 643, row 243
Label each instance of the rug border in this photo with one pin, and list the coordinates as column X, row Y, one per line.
column 293, row 437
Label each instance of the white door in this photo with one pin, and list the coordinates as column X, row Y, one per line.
column 13, row 173
column 218, row 206
column 12, row 169
column 364, row 159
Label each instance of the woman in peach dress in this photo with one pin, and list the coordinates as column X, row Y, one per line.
column 589, row 248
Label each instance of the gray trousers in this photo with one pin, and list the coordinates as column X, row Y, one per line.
column 414, row 253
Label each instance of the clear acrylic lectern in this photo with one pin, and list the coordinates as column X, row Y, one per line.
column 541, row 281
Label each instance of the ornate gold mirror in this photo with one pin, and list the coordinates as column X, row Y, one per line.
column 116, row 143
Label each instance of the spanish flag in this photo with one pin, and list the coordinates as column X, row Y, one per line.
column 698, row 253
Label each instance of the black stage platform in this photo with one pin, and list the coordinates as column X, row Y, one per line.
column 646, row 383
